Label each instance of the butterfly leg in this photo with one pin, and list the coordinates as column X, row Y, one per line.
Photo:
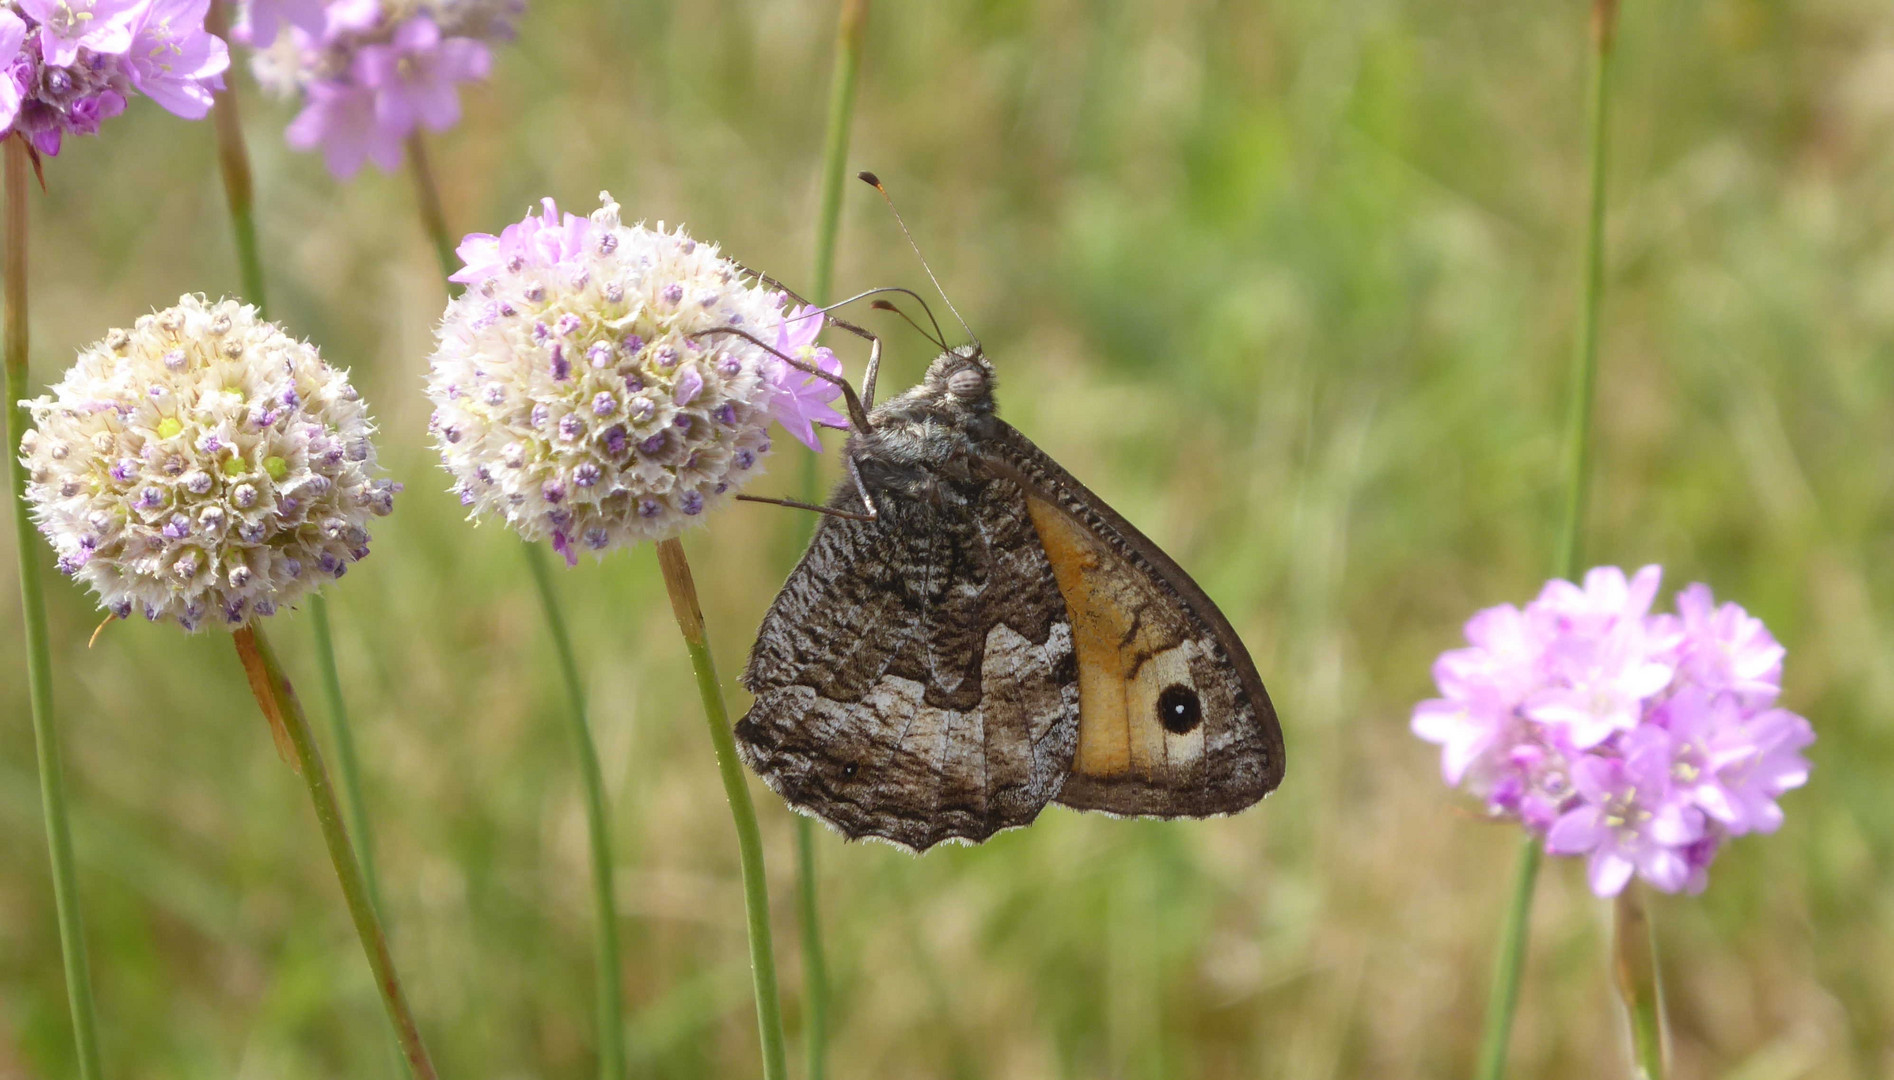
column 854, row 474
column 874, row 368
column 796, row 504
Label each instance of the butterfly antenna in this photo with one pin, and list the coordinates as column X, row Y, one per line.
column 937, row 337
column 875, row 182
column 884, row 305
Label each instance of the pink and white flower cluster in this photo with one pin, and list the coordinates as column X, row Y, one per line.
column 1639, row 741
column 70, row 65
column 600, row 383
column 372, row 72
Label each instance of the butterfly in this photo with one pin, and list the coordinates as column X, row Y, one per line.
column 981, row 635
column 973, row 634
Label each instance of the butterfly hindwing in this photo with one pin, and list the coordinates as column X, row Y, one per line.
column 1174, row 720
column 915, row 679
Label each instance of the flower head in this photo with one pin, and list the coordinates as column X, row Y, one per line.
column 203, row 466
column 68, row 65
column 1640, row 741
column 585, row 387
column 371, row 72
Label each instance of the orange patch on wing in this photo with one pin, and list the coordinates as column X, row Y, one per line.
column 1109, row 743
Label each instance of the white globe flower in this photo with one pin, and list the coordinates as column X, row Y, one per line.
column 203, row 466
column 577, row 395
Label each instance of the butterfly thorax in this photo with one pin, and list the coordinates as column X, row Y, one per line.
column 929, row 433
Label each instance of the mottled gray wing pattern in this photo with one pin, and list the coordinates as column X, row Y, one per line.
column 915, row 679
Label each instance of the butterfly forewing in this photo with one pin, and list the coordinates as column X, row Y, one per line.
column 1174, row 720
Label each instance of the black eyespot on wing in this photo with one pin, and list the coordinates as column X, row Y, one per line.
column 1179, row 710
column 849, row 770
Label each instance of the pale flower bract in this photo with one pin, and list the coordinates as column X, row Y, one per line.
column 203, row 466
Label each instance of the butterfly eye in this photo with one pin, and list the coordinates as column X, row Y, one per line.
column 849, row 770
column 968, row 382
column 1178, row 709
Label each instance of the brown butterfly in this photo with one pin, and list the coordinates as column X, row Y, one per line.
column 973, row 634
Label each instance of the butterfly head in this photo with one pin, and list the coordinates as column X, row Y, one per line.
column 962, row 377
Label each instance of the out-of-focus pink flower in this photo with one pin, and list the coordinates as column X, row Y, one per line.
column 409, row 60
column 415, row 74
column 264, row 19
column 67, row 66
column 174, row 61
column 1640, row 741
column 66, row 26
column 340, row 118
column 1628, row 818
column 12, row 36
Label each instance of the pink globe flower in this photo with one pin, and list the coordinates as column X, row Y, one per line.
column 66, row 66
column 1639, row 741
column 370, row 74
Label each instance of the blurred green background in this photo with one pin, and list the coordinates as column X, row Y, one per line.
column 1292, row 284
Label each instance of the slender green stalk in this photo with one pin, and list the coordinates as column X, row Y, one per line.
column 1504, row 998
column 277, row 699
column 348, row 764
column 39, row 660
column 1634, row 955
column 1584, row 377
column 690, row 621
column 428, row 195
column 233, row 160
column 610, row 987
column 849, row 31
column 611, row 1036
column 815, row 964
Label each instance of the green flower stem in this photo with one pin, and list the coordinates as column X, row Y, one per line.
column 428, row 194
column 1503, row 1001
column 1634, row 963
column 39, row 660
column 849, row 31
column 611, row 1038
column 233, row 161
column 1578, row 456
column 348, row 765
column 815, row 964
column 690, row 621
column 277, row 699
column 610, row 987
